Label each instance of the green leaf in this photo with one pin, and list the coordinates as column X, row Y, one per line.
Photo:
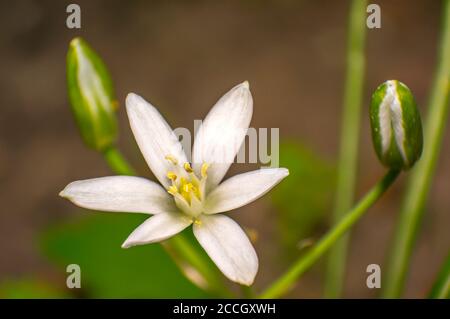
column 305, row 196
column 107, row 270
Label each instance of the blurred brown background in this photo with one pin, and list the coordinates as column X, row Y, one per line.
column 182, row 56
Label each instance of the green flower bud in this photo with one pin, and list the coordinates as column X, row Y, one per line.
column 91, row 95
column 396, row 125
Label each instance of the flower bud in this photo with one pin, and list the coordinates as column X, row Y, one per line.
column 91, row 95
column 396, row 125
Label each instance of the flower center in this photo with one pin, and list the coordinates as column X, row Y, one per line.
column 187, row 189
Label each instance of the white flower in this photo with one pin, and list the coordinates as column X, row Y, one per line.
column 190, row 194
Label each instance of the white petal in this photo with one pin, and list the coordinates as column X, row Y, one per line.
column 120, row 194
column 222, row 132
column 154, row 136
column 157, row 228
column 242, row 189
column 228, row 246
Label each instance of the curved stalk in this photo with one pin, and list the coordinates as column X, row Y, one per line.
column 286, row 281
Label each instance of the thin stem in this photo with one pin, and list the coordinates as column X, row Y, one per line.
column 117, row 162
column 247, row 292
column 346, row 175
column 179, row 246
column 420, row 180
column 286, row 282
column 441, row 288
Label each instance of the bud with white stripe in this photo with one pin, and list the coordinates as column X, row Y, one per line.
column 91, row 96
column 396, row 125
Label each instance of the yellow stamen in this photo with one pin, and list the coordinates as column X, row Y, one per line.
column 172, row 176
column 171, row 159
column 197, row 221
column 172, row 190
column 188, row 168
column 204, row 169
column 188, row 187
column 252, row 234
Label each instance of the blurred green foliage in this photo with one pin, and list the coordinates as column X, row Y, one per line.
column 30, row 289
column 107, row 270
column 305, row 197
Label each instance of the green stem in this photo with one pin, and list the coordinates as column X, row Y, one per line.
column 182, row 248
column 420, row 180
column 346, row 175
column 441, row 288
column 179, row 246
column 285, row 282
column 247, row 292
column 117, row 162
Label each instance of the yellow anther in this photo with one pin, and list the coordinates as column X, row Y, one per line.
column 172, row 190
column 171, row 159
column 197, row 222
column 172, row 176
column 252, row 234
column 204, row 169
column 188, row 187
column 188, row 168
